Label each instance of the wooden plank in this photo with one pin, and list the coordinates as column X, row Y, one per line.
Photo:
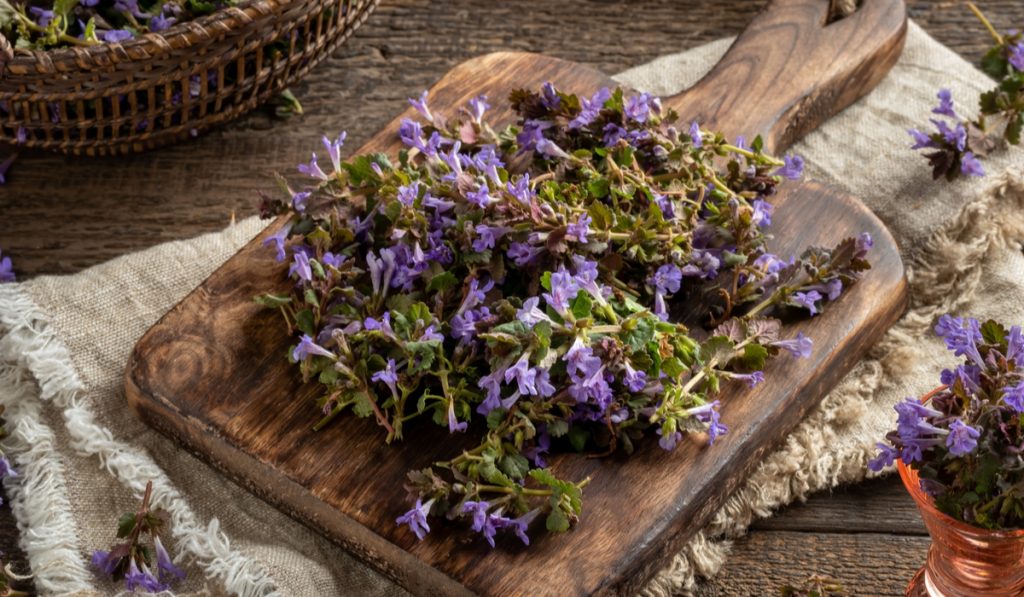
column 876, row 506
column 863, row 563
column 210, row 373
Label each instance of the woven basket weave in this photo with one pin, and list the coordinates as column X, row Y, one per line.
column 162, row 87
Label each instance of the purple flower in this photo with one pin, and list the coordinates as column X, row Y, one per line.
column 970, row 165
column 417, row 517
column 664, row 203
column 1014, row 341
column 407, row 194
column 429, row 334
column 945, row 107
column 89, row 3
column 464, row 324
column 306, row 347
column 808, row 300
column 43, row 16
column 387, row 375
column 580, row 228
column 532, row 134
column 438, row 205
column 6, row 269
column 793, row 167
column 543, row 383
column 522, row 253
column 312, row 169
column 476, row 107
column 921, row 140
column 1016, row 56
column 411, row 133
column 580, row 360
column 1013, row 396
column 708, row 414
column 638, row 107
column 886, row 456
column 613, row 133
column 563, row 290
column 6, row 470
column 480, row 197
column 421, row 106
column 702, row 264
column 695, row 135
column 117, row 36
column 668, row 441
column 799, row 347
column 762, row 213
column 300, row 265
column 334, row 149
column 487, row 237
column 519, row 188
column 634, row 380
column 103, row 561
column 332, row 260
column 961, row 336
column 379, row 325
column 956, row 136
column 590, row 108
column 667, row 279
column 751, row 379
column 962, row 438
column 548, row 148
column 453, row 423
column 299, row 200
column 165, row 567
column 157, row 23
column 479, row 511
column 142, row 579
column 531, row 314
column 863, row 244
column 524, row 375
column 549, row 96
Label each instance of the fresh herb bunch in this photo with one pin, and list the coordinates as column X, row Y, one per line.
column 957, row 143
column 39, row 25
column 965, row 443
column 540, row 283
column 142, row 567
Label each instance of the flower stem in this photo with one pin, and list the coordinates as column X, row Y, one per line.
column 984, row 21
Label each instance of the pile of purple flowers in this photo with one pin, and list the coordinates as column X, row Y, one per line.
column 61, row 23
column 956, row 144
column 965, row 442
column 143, row 568
column 578, row 280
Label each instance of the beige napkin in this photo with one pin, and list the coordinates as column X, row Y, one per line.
column 84, row 459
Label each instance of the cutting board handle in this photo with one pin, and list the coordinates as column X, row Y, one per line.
column 790, row 70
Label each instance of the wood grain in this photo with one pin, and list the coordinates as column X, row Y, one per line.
column 211, row 375
column 107, row 208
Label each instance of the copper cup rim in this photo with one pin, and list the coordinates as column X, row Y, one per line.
column 912, row 482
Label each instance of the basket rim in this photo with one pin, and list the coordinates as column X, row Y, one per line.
column 176, row 37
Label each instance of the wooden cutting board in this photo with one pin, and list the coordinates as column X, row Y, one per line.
column 212, row 372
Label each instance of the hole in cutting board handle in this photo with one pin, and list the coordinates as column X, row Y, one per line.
column 841, row 9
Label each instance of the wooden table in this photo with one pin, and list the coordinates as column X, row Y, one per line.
column 60, row 215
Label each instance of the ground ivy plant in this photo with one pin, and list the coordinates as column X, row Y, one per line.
column 954, row 147
column 965, row 442
column 581, row 280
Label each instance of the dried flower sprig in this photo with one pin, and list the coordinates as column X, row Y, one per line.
column 577, row 280
column 956, row 144
column 141, row 566
column 965, row 443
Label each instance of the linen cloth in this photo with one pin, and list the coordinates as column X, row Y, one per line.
column 83, row 458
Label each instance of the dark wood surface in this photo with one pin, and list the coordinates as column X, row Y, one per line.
column 60, row 216
column 210, row 373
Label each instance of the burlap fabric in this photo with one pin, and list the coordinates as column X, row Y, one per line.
column 83, row 458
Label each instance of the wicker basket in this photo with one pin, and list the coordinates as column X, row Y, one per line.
column 162, row 87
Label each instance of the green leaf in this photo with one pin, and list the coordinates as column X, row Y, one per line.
column 757, row 144
column 545, row 281
column 754, row 357
column 272, row 300
column 514, row 465
column 1013, row 129
column 125, row 525
column 598, row 188
column 578, row 437
column 62, row 8
column 994, row 63
column 557, row 521
column 421, row 355
column 673, row 367
column 311, row 298
column 304, row 321
column 993, row 333
column 558, row 427
column 442, row 281
column 717, row 348
column 495, row 417
column 8, row 14
column 582, row 305
column 639, row 333
column 492, row 474
column 361, row 405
